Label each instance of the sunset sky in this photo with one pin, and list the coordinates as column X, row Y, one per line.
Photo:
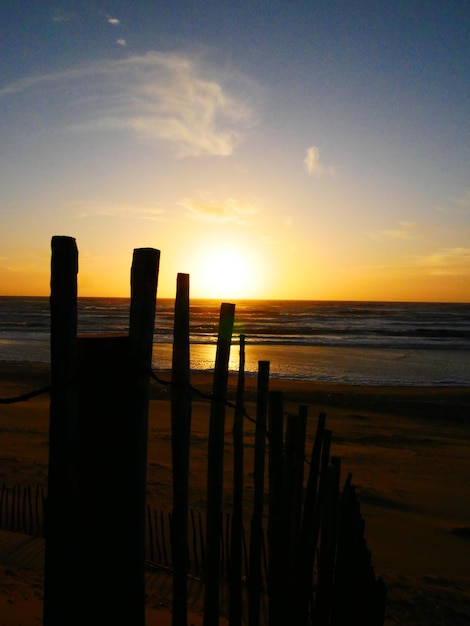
column 303, row 149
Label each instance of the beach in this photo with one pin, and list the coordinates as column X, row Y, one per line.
column 407, row 448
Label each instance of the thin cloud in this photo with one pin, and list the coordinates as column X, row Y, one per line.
column 229, row 210
column 312, row 161
column 112, row 20
column 446, row 262
column 313, row 164
column 156, row 96
column 84, row 210
column 60, row 16
column 121, row 42
column 459, row 204
column 406, row 231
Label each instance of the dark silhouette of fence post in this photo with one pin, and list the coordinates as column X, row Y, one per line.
column 294, row 477
column 308, row 538
column 276, row 586
column 237, row 520
column 215, row 457
column 60, row 558
column 256, row 535
column 320, row 608
column 144, row 281
column 180, row 438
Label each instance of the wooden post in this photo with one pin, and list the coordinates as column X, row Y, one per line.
column 256, row 535
column 215, row 459
column 308, row 540
column 60, row 558
column 276, row 586
column 2, row 499
column 237, row 520
column 295, row 452
column 180, row 436
column 144, row 281
column 328, row 545
column 318, row 613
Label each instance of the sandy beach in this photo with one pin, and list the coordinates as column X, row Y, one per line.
column 407, row 448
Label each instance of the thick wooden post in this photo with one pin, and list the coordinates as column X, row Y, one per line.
column 215, row 459
column 144, row 281
column 180, row 436
column 237, row 519
column 256, row 536
column 60, row 557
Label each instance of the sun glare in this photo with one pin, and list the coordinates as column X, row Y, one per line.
column 226, row 273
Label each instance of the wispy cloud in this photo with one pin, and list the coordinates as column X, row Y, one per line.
column 62, row 16
column 121, row 42
column 112, row 20
column 83, row 210
column 156, row 96
column 229, row 210
column 446, row 262
column 459, row 204
column 313, row 164
column 405, row 230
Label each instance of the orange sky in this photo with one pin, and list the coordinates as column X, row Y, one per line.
column 269, row 152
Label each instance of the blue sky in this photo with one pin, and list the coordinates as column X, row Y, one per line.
column 270, row 149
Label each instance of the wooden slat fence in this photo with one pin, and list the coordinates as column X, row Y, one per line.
column 302, row 560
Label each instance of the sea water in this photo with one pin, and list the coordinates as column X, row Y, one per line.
column 375, row 343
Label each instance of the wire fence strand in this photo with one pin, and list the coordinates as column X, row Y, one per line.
column 26, row 396
column 161, row 381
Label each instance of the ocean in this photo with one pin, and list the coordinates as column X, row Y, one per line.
column 363, row 343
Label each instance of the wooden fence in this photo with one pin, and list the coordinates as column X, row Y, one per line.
column 306, row 552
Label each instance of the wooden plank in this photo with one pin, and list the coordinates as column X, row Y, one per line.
column 106, row 472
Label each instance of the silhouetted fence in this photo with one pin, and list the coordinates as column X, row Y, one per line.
column 306, row 552
column 22, row 509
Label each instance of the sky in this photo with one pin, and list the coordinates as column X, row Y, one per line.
column 294, row 150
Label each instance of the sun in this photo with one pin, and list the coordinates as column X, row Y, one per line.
column 226, row 273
